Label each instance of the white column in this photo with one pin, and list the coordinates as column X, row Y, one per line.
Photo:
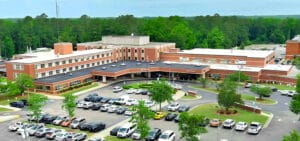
column 132, row 75
column 149, row 75
column 103, row 79
column 203, row 75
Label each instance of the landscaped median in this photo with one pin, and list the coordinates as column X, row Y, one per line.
column 210, row 111
column 112, row 138
column 245, row 97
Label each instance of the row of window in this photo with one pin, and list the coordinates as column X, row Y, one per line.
column 129, row 50
column 59, row 71
column 57, row 63
column 210, row 61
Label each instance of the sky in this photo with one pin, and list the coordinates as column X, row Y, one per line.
column 147, row 8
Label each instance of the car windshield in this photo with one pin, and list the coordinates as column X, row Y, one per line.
column 59, row 134
column 215, row 120
column 253, row 126
column 122, row 129
column 164, row 136
column 173, row 105
column 151, row 134
column 75, row 121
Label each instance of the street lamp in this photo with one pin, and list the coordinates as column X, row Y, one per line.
column 240, row 64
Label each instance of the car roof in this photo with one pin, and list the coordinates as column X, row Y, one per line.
column 127, row 125
column 255, row 123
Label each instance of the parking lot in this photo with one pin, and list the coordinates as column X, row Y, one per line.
column 283, row 121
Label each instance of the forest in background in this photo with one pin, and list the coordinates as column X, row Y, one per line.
column 187, row 32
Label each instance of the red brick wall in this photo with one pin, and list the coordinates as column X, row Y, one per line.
column 63, row 48
column 28, row 69
column 277, row 79
column 292, row 48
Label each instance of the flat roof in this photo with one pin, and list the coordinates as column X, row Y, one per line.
column 49, row 55
column 149, row 45
column 118, row 66
column 230, row 52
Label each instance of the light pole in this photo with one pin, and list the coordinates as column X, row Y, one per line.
column 240, row 64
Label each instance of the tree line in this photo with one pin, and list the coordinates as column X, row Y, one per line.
column 188, row 32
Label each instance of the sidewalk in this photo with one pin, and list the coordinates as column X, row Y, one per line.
column 9, row 107
column 7, row 118
column 105, row 132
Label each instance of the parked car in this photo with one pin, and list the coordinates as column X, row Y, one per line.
column 90, row 96
column 87, row 105
column 204, row 123
column 139, row 91
column 114, row 131
column 79, row 137
column 128, row 113
column 69, row 136
column 76, row 122
column 274, row 89
column 59, row 120
column 48, row 119
column 121, row 110
column 112, row 108
column 126, row 130
column 95, row 99
column 122, row 100
column 17, row 104
column 104, row 107
column 31, row 131
column 136, row 135
column 42, row 132
column 167, row 135
column 96, row 139
column 229, row 123
column 131, row 91
column 183, row 108
column 170, row 116
column 95, row 127
column 113, row 100
column 177, row 119
column 149, row 103
column 96, row 106
column 254, row 128
column 67, row 121
column 153, row 134
column 105, row 100
column 117, row 89
column 61, row 136
column 241, row 126
column 215, row 123
column 248, row 85
column 173, row 107
column 84, row 126
column 159, row 115
column 52, row 134
column 22, row 128
column 80, row 104
column 131, row 102
column 15, row 126
column 145, row 92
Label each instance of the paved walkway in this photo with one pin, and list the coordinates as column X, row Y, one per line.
column 9, row 107
column 106, row 131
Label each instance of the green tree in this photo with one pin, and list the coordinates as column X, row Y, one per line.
column 8, row 48
column 161, row 91
column 298, row 84
column 238, row 76
column 296, row 62
column 215, row 38
column 295, row 102
column 12, row 89
column 141, row 116
column 203, row 82
column 69, row 104
column 261, row 91
column 189, row 126
column 35, row 104
column 24, row 81
column 227, row 96
column 182, row 36
column 293, row 136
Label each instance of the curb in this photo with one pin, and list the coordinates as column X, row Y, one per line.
column 9, row 107
column 7, row 118
column 197, row 98
column 269, row 119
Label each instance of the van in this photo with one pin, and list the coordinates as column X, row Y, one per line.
column 126, row 130
column 122, row 100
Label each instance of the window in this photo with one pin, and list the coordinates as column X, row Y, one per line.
column 57, row 63
column 75, row 83
column 128, row 58
column 76, row 67
column 18, row 67
column 43, row 74
column 211, row 61
column 63, row 62
column 135, row 50
column 93, row 57
column 111, row 54
column 135, row 58
column 42, row 65
column 49, row 64
column 82, row 66
column 142, row 50
column 98, row 56
column 50, row 73
column 70, row 68
column 107, row 54
column 57, row 71
column 142, row 58
column 102, row 62
column 93, row 64
column 76, row 60
column 107, row 61
column 129, row 50
column 102, row 55
column 82, row 59
column 70, row 61
column 87, row 65
column 64, row 70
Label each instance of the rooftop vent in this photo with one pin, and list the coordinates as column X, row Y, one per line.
column 123, row 64
column 104, row 68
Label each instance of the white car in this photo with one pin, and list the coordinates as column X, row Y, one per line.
column 254, row 128
column 291, row 93
column 136, row 135
column 241, row 126
column 173, row 107
column 229, row 123
column 131, row 91
column 131, row 102
column 24, row 127
column 80, row 104
column 117, row 89
column 31, row 131
column 149, row 103
column 128, row 113
column 15, row 126
column 61, row 136
column 87, row 105
column 167, row 135
column 104, row 107
column 112, row 108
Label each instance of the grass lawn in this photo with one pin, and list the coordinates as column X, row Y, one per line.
column 280, row 87
column 266, row 101
column 210, row 111
column 212, row 90
column 5, row 100
column 4, row 110
column 112, row 138
column 80, row 89
column 189, row 97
